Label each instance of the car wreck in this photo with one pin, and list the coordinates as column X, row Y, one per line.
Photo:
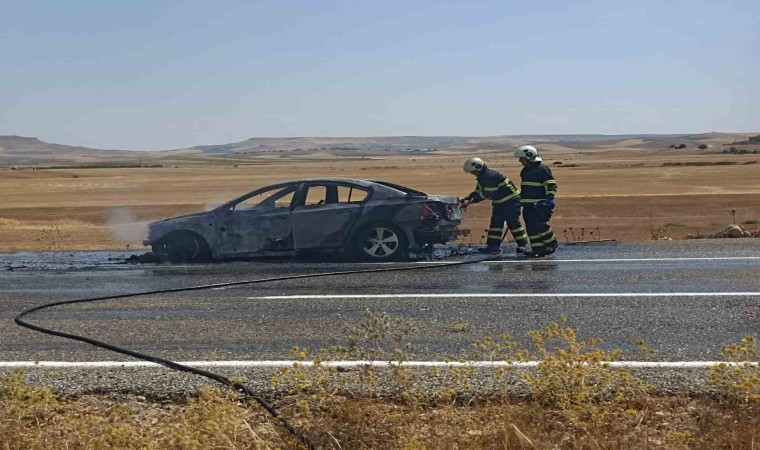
column 360, row 219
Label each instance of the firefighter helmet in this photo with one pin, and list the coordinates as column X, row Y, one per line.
column 529, row 152
column 474, row 165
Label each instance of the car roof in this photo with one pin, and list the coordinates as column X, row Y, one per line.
column 388, row 187
column 360, row 182
column 388, row 190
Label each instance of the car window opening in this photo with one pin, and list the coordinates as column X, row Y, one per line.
column 272, row 199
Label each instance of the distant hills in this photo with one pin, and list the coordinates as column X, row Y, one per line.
column 407, row 143
column 32, row 151
column 18, row 150
column 388, row 143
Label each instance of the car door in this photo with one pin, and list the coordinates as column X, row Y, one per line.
column 327, row 215
column 259, row 222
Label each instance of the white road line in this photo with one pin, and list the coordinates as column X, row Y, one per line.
column 729, row 258
column 286, row 363
column 510, row 295
column 520, row 261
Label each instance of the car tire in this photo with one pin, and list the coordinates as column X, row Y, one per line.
column 380, row 242
column 180, row 247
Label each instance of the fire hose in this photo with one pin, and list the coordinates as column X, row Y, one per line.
column 236, row 385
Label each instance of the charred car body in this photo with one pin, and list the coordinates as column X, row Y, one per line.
column 371, row 220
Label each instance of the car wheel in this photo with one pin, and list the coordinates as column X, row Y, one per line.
column 380, row 242
column 181, row 246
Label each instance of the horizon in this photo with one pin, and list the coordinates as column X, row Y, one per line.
column 177, row 74
column 395, row 136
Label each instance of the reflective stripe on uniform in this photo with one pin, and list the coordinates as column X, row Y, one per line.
column 547, row 182
column 494, row 236
column 531, row 200
column 508, row 197
column 545, row 233
column 503, row 183
column 495, row 229
column 537, row 244
column 532, row 183
column 550, row 186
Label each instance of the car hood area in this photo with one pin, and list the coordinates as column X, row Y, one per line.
column 190, row 222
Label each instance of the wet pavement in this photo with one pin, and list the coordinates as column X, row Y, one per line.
column 683, row 298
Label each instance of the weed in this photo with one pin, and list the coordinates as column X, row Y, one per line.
column 577, row 401
column 461, row 326
column 33, row 418
column 22, row 401
column 380, row 337
column 738, row 382
column 662, row 234
column 573, row 376
column 377, row 337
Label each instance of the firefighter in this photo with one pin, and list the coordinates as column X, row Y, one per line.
column 505, row 199
column 538, row 189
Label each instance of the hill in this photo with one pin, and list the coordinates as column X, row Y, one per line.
column 30, row 151
column 397, row 143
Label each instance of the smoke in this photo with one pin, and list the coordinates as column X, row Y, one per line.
column 124, row 225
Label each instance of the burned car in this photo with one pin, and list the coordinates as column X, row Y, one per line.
column 369, row 220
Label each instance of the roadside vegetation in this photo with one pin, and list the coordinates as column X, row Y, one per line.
column 571, row 399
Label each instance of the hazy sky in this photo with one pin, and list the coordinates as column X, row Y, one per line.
column 159, row 74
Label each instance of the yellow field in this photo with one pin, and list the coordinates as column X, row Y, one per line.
column 627, row 195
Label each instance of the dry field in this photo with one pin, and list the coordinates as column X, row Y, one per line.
column 626, row 194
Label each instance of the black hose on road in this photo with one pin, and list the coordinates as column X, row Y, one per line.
column 240, row 387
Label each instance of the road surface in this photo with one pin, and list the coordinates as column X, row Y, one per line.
column 685, row 299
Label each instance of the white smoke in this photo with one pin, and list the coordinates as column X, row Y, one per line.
column 124, row 225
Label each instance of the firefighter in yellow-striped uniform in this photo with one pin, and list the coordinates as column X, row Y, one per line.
column 537, row 198
column 505, row 198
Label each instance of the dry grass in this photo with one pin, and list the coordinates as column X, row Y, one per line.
column 215, row 420
column 33, row 418
column 576, row 402
column 54, row 235
column 626, row 194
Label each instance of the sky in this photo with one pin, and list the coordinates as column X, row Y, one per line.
column 164, row 74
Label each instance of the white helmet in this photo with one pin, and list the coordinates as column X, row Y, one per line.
column 474, row 165
column 528, row 151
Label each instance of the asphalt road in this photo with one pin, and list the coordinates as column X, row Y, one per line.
column 685, row 299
